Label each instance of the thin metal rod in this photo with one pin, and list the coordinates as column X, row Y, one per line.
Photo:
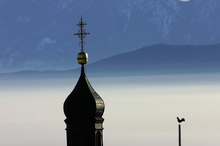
column 179, row 135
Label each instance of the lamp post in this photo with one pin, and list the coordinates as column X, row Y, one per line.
column 179, row 121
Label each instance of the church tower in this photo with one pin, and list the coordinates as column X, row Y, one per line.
column 83, row 108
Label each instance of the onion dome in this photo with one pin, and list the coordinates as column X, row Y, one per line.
column 83, row 102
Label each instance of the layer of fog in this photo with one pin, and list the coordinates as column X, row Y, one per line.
column 140, row 110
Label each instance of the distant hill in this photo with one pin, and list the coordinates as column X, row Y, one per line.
column 163, row 58
column 155, row 59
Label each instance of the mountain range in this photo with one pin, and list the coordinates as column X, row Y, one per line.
column 39, row 34
column 163, row 58
column 152, row 60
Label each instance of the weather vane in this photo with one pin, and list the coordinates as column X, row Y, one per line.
column 180, row 121
column 81, row 33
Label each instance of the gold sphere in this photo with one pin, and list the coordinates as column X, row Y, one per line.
column 82, row 58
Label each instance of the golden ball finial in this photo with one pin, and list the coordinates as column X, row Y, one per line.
column 82, row 58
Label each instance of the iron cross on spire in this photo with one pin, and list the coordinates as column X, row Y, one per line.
column 81, row 33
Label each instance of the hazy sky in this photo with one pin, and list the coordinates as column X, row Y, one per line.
column 139, row 110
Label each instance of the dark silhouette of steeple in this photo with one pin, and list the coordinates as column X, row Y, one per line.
column 83, row 107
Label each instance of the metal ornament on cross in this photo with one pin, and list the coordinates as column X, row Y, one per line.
column 82, row 56
column 81, row 34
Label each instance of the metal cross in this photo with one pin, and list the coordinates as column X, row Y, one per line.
column 81, row 33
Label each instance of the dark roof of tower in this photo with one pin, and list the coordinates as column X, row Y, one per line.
column 83, row 102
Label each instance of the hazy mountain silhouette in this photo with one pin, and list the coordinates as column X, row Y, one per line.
column 155, row 59
column 163, row 58
column 38, row 34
